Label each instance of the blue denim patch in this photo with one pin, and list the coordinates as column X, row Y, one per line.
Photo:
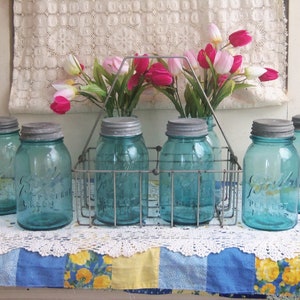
column 231, row 271
column 34, row 270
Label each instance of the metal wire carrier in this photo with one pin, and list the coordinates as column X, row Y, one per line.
column 229, row 174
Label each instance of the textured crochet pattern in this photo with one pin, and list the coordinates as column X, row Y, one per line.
column 46, row 31
column 128, row 240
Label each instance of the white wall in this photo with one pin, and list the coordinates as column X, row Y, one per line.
column 235, row 123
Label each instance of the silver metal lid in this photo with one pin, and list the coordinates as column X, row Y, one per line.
column 187, row 127
column 273, row 128
column 296, row 121
column 121, row 127
column 8, row 124
column 41, row 131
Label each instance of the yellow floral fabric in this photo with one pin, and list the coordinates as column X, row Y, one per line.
column 141, row 273
column 87, row 269
column 278, row 278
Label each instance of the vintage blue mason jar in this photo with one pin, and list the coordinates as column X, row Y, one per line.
column 270, row 176
column 214, row 142
column 186, row 190
column 296, row 122
column 9, row 143
column 122, row 171
column 43, row 178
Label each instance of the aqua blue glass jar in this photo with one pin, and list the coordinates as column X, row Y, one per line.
column 270, row 177
column 43, row 178
column 9, row 143
column 296, row 122
column 214, row 142
column 122, row 166
column 186, row 191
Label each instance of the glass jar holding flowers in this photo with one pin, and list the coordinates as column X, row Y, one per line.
column 121, row 164
column 210, row 76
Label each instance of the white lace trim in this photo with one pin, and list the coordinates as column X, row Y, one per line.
column 129, row 240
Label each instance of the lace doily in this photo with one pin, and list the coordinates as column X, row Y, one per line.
column 129, row 240
column 46, row 31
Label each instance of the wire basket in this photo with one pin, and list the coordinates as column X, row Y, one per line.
column 225, row 210
column 228, row 180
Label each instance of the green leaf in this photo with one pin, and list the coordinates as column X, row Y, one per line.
column 135, row 95
column 190, row 108
column 199, row 97
column 94, row 88
column 242, row 86
column 196, row 88
column 190, row 102
column 98, row 72
column 93, row 99
column 170, row 93
column 225, row 91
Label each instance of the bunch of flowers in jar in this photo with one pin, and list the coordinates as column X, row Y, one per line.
column 212, row 74
column 115, row 87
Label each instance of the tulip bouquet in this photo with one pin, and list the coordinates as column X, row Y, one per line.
column 115, row 87
column 213, row 74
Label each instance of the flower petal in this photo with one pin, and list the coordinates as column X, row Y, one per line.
column 269, row 75
column 223, row 62
column 240, row 38
column 72, row 66
column 60, row 105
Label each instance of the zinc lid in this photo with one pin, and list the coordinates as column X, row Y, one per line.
column 8, row 124
column 121, row 127
column 41, row 131
column 187, row 127
column 277, row 128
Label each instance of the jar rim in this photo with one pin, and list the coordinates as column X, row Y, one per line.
column 121, row 127
column 272, row 128
column 187, row 127
column 41, row 131
column 8, row 124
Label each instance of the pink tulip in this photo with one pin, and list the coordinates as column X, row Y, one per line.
column 191, row 56
column 269, row 75
column 113, row 64
column 175, row 66
column 240, row 38
column 214, row 34
column 223, row 62
column 68, row 93
column 133, row 81
column 221, row 79
column 60, row 105
column 72, row 66
column 141, row 64
column 208, row 53
column 159, row 75
column 237, row 62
